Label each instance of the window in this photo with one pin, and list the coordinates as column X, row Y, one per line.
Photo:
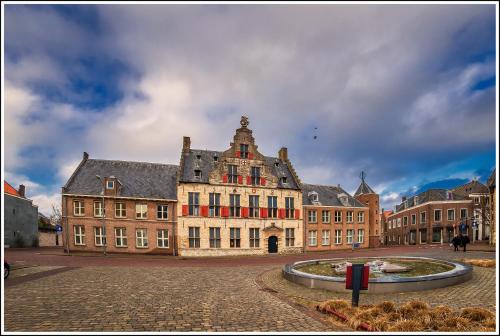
column 361, row 217
column 253, row 201
column 350, row 233
column 451, row 214
column 413, row 219
column 197, row 174
column 243, row 151
column 141, row 238
column 437, row 215
column 325, row 237
column 284, row 180
column 100, row 236
column 289, row 207
column 214, row 204
column 313, row 238
column 312, row 216
column 234, row 237
column 232, row 174
column 289, row 237
column 120, row 210
column 198, row 157
column 254, row 237
column 162, row 238
column 162, row 211
column 194, row 203
column 361, row 236
column 405, row 221
column 214, row 237
column 349, row 216
column 110, row 185
column 399, row 222
column 79, row 234
column 272, row 206
column 194, row 237
column 216, row 158
column 338, row 216
column 463, row 213
column 141, row 211
column 436, row 235
column 338, row 237
column 255, row 175
column 423, row 216
column 476, row 200
column 325, row 216
column 121, row 237
column 78, row 208
column 98, row 210
column 234, row 205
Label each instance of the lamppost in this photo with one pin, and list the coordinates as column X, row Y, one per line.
column 104, row 240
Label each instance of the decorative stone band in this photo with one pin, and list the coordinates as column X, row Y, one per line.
column 387, row 284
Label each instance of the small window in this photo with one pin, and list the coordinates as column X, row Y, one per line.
column 141, row 236
column 162, row 211
column 198, row 157
column 162, row 238
column 244, row 151
column 141, row 211
column 290, row 237
column 276, row 164
column 197, row 174
column 283, row 180
column 110, row 185
column 121, row 237
column 216, row 158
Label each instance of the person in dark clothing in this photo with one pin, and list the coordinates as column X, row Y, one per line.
column 465, row 241
column 456, row 241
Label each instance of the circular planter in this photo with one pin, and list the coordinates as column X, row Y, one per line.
column 386, row 284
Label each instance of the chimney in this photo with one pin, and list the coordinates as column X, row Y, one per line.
column 186, row 144
column 283, row 154
column 85, row 156
column 22, row 190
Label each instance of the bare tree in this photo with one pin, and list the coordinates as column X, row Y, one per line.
column 56, row 217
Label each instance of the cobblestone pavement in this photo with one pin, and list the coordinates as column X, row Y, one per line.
column 151, row 299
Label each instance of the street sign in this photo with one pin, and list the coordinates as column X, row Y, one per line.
column 58, row 229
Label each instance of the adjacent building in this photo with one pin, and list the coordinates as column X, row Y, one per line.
column 20, row 218
column 120, row 206
column 493, row 203
column 370, row 198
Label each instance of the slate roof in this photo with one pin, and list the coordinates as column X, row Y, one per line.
column 492, row 179
column 473, row 187
column 203, row 160
column 138, row 179
column 364, row 188
column 428, row 196
column 328, row 196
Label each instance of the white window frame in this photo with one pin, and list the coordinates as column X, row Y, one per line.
column 79, row 231
column 425, row 217
column 466, row 212
column 448, row 214
column 326, row 216
column 123, row 208
column 112, row 185
column 101, row 213
column 121, row 235
column 81, row 208
column 99, row 236
column 313, row 238
column 338, row 216
column 290, row 237
column 141, row 240
column 361, row 217
column 138, row 210
column 440, row 216
column 338, row 237
column 164, row 206
column 361, row 236
column 399, row 222
column 312, row 216
column 405, row 221
column 325, row 237
column 162, row 240
column 413, row 219
column 349, row 236
column 349, row 216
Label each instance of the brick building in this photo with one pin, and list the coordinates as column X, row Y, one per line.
column 139, row 212
column 370, row 198
column 333, row 219
column 433, row 216
column 384, row 215
column 493, row 204
column 238, row 201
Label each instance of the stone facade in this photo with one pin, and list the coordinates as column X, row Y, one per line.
column 20, row 220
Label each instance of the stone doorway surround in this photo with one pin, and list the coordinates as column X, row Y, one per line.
column 273, row 230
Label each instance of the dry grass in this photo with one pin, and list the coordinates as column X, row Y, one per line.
column 490, row 263
column 414, row 316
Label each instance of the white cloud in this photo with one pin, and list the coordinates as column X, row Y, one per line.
column 45, row 202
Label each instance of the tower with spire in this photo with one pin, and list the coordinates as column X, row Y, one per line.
column 368, row 196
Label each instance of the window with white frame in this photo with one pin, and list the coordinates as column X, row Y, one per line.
column 312, row 216
column 338, row 237
column 463, row 213
column 110, row 185
column 162, row 238
column 451, row 214
column 121, row 237
column 313, row 238
column 325, row 237
column 234, row 237
column 194, row 237
column 79, row 234
column 141, row 238
column 254, row 237
column 349, row 235
column 405, row 221
column 399, row 222
column 120, row 210
column 349, row 216
column 361, row 236
column 99, row 236
column 162, row 211
column 98, row 210
column 214, row 237
column 361, row 217
column 194, row 203
column 338, row 216
column 141, row 211
column 325, row 216
column 413, row 219
column 437, row 215
column 78, row 208
column 423, row 217
column 290, row 237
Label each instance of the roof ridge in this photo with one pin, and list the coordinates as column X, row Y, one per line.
column 125, row 161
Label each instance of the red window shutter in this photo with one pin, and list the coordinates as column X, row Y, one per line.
column 250, row 156
column 297, row 213
column 263, row 181
column 225, row 211
column 263, row 212
column 238, row 154
column 204, row 210
column 185, row 210
column 281, row 213
column 249, row 180
column 240, row 179
column 224, row 178
column 244, row 212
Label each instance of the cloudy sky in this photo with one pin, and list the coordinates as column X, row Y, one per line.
column 404, row 92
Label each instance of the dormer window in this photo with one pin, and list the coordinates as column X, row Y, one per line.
column 216, row 158
column 449, row 195
column 283, row 180
column 244, row 151
column 198, row 157
column 276, row 164
column 197, row 174
column 415, row 200
column 343, row 199
column 313, row 196
column 405, row 205
column 110, row 185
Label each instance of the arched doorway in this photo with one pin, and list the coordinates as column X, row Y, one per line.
column 272, row 244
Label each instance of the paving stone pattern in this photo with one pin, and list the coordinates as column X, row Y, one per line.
column 151, row 299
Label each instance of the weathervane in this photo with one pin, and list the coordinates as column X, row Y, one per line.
column 244, row 121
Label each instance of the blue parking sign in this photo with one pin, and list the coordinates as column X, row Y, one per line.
column 58, row 228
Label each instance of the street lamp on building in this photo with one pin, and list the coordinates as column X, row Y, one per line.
column 103, row 235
